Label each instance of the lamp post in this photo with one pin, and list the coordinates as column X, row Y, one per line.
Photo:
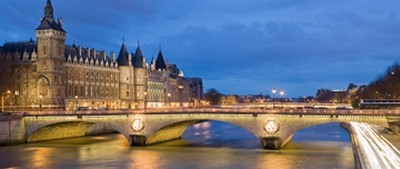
column 2, row 103
column 76, row 102
column 273, row 96
column 40, row 102
column 169, row 99
column 9, row 97
column 145, row 100
column 281, row 93
column 16, row 93
column 3, row 99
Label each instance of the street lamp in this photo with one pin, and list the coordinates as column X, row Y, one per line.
column 40, row 102
column 3, row 99
column 273, row 96
column 2, row 103
column 76, row 102
column 281, row 93
column 169, row 99
column 16, row 93
column 9, row 97
column 145, row 100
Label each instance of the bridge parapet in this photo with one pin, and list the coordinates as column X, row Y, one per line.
column 274, row 128
column 221, row 110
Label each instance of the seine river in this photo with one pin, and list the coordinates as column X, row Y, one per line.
column 206, row 145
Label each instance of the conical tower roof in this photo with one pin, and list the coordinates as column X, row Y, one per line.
column 123, row 56
column 160, row 62
column 137, row 60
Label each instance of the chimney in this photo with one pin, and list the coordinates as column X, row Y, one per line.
column 88, row 52
column 130, row 59
column 104, row 55
column 80, row 50
column 60, row 22
column 112, row 56
column 94, row 52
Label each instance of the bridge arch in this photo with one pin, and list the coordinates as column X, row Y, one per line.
column 327, row 131
column 51, row 130
column 171, row 130
column 293, row 125
column 60, row 130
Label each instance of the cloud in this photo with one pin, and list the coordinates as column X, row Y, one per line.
column 237, row 46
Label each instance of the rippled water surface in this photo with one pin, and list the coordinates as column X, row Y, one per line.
column 205, row 145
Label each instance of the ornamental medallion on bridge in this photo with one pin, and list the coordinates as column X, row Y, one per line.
column 271, row 126
column 137, row 125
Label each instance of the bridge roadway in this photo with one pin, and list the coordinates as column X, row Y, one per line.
column 273, row 127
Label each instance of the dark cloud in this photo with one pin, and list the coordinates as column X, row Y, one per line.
column 235, row 46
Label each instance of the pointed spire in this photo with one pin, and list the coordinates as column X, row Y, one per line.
column 137, row 60
column 123, row 55
column 160, row 63
column 48, row 10
column 47, row 21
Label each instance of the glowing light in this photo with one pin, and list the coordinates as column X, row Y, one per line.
column 137, row 125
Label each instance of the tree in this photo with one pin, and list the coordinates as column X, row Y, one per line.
column 213, row 96
column 386, row 86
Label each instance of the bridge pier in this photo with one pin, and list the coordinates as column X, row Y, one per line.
column 273, row 143
column 137, row 140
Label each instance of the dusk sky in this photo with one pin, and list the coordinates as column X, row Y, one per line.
column 236, row 46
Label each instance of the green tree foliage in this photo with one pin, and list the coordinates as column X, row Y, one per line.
column 213, row 96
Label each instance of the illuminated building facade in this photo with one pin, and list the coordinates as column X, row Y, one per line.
column 49, row 74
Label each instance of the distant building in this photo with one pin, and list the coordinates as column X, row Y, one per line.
column 331, row 96
column 49, row 74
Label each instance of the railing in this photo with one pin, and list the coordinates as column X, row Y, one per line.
column 214, row 110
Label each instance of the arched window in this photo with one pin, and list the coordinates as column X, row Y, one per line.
column 43, row 85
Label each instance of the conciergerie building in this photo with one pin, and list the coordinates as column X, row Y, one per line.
column 49, row 74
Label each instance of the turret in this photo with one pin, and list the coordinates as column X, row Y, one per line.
column 50, row 58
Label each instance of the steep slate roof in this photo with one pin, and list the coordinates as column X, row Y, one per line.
column 19, row 47
column 160, row 63
column 123, row 56
column 70, row 50
column 137, row 60
column 74, row 51
column 173, row 71
column 47, row 21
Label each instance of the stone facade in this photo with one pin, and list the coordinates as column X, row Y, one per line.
column 48, row 74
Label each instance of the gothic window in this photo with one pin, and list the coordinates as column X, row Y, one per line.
column 76, row 90
column 82, row 91
column 43, row 86
column 70, row 90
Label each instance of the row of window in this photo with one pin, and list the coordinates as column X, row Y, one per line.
column 92, row 91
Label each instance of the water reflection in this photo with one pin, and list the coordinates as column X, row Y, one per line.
column 40, row 157
column 145, row 159
column 205, row 145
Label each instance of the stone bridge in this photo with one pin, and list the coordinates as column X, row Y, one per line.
column 273, row 128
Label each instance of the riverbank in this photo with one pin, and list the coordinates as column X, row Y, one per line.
column 390, row 136
column 354, row 143
column 372, row 145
